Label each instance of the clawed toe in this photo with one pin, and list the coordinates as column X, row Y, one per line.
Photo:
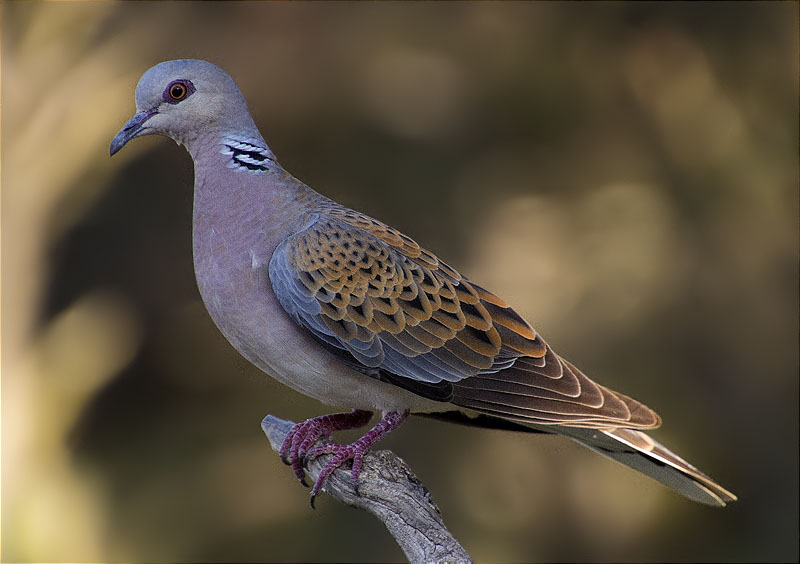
column 299, row 445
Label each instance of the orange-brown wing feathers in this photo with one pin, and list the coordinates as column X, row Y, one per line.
column 366, row 288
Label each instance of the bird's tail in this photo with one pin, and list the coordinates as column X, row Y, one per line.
column 639, row 451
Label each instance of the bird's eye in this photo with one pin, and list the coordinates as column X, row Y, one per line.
column 178, row 90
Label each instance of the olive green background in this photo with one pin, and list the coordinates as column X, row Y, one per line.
column 625, row 174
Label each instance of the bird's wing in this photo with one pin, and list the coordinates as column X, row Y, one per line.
column 396, row 311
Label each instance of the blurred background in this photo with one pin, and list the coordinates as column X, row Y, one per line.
column 625, row 174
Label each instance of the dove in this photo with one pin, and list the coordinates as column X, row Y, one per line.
column 349, row 311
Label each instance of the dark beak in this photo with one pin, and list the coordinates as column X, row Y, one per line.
column 133, row 128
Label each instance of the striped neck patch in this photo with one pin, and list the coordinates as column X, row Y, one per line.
column 247, row 154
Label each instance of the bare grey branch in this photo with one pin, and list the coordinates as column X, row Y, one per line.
column 390, row 491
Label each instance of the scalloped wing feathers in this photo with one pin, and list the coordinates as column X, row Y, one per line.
column 403, row 315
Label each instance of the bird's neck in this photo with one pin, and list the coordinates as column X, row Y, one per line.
column 238, row 182
column 243, row 149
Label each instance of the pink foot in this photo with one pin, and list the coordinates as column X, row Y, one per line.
column 300, row 439
column 296, row 444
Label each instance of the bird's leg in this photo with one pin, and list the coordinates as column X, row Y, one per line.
column 355, row 451
column 305, row 434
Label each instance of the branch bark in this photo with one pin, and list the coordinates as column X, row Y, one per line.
column 389, row 490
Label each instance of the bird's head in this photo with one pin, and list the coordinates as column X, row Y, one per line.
column 183, row 98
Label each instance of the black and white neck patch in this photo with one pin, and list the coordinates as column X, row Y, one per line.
column 247, row 154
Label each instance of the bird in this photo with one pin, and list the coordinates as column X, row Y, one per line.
column 347, row 310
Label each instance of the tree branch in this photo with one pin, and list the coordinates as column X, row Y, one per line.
column 389, row 490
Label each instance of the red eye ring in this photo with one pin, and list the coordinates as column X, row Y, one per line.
column 177, row 91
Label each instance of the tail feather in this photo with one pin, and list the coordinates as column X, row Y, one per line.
column 639, row 451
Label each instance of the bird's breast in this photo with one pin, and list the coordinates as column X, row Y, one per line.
column 231, row 260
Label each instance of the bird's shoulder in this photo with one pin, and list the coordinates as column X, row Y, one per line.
column 359, row 228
